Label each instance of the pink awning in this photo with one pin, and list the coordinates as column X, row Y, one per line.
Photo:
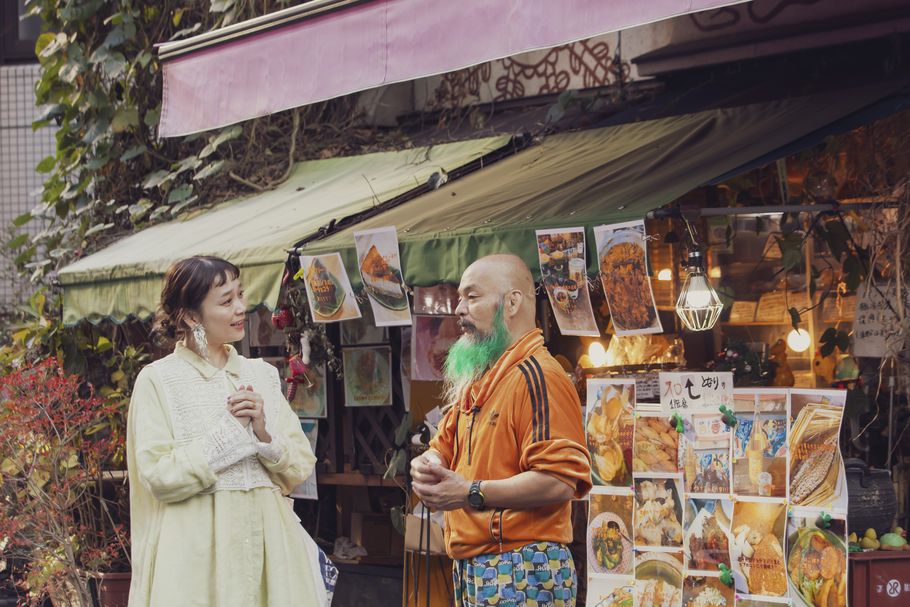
column 328, row 48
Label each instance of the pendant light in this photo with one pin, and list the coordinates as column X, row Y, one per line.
column 698, row 305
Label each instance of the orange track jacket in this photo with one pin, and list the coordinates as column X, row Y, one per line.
column 523, row 414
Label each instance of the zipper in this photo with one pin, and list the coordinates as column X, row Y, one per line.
column 471, row 432
column 497, row 537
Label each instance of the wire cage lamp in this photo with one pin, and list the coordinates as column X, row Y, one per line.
column 698, row 305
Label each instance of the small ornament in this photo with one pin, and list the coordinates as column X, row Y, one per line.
column 282, row 318
column 298, row 373
column 728, row 417
column 678, row 422
column 823, row 521
column 726, row 576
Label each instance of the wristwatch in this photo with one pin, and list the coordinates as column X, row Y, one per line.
column 475, row 496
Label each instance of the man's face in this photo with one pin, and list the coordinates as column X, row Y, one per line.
column 478, row 301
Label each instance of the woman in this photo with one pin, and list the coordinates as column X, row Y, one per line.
column 211, row 447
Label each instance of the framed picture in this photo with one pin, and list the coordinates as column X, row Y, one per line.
column 367, row 376
column 311, row 401
column 363, row 331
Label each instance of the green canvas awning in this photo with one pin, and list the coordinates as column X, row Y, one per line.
column 254, row 232
column 587, row 178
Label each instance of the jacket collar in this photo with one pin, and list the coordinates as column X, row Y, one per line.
column 205, row 368
column 519, row 351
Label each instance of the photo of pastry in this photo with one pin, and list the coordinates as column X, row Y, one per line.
column 563, row 273
column 655, row 444
column 367, row 376
column 760, row 442
column 609, row 538
column 706, row 591
column 609, row 428
column 816, row 468
column 623, row 262
column 757, row 550
column 658, row 513
column 658, row 579
column 707, row 533
column 817, row 562
column 328, row 289
column 610, row 591
column 379, row 263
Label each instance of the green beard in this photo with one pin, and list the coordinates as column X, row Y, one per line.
column 469, row 358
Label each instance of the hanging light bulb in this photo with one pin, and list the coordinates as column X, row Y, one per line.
column 799, row 340
column 598, row 354
column 698, row 305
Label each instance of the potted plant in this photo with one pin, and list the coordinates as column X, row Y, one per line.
column 57, row 514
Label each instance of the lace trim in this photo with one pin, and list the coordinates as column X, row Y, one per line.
column 271, row 451
column 227, row 444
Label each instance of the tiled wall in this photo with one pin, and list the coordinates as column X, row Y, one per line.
column 20, row 151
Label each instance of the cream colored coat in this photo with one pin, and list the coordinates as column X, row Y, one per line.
column 209, row 523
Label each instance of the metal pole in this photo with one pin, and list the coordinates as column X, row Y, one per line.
column 771, row 209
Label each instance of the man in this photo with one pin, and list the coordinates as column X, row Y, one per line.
column 510, row 454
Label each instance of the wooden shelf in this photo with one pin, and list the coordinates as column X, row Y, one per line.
column 754, row 323
column 356, row 479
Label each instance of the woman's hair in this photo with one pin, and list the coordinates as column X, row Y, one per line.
column 186, row 285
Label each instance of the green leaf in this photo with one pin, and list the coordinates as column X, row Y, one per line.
column 829, row 335
column 160, row 210
column 842, row 341
column 23, row 219
column 853, row 272
column 140, row 209
column 794, row 317
column 103, row 345
column 175, row 210
column 190, row 163
column 157, row 178
column 227, row 134
column 177, row 16
column 791, row 259
column 98, row 228
column 179, row 194
column 220, row 6
column 827, row 349
column 49, row 43
column 115, row 37
column 17, row 242
column 46, row 165
column 152, row 117
column 125, row 118
column 136, row 150
column 209, row 170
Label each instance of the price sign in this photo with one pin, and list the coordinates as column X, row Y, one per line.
column 877, row 329
column 693, row 392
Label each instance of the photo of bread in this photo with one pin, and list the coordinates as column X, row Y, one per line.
column 757, row 550
column 816, row 467
column 655, row 444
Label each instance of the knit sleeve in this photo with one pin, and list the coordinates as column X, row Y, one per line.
column 549, row 427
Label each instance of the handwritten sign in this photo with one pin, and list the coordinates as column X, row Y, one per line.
column 647, row 386
column 691, row 392
column 875, row 322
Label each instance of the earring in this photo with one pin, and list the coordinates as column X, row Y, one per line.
column 202, row 344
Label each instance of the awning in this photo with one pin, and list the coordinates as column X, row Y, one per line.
column 125, row 278
column 328, row 48
column 587, row 178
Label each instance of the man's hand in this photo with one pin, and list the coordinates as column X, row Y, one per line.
column 422, row 468
column 449, row 492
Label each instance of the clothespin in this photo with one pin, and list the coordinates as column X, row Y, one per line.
column 678, row 422
column 726, row 576
column 728, row 417
column 823, row 521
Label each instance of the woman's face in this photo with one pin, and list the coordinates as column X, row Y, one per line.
column 223, row 313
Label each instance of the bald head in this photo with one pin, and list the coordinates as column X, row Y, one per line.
column 493, row 280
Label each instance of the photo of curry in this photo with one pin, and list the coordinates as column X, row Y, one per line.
column 817, row 564
column 623, row 265
column 609, row 430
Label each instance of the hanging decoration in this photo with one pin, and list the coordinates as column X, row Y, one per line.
column 328, row 288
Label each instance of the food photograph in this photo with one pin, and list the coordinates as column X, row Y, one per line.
column 706, row 591
column 757, row 549
column 609, row 430
column 367, row 376
column 328, row 288
column 609, row 538
column 623, row 265
column 658, row 513
column 817, row 475
column 563, row 271
column 817, row 562
column 658, row 579
column 655, row 444
column 380, row 270
column 760, row 442
column 706, row 470
column 707, row 533
column 610, row 592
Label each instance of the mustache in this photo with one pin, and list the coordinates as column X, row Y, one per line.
column 466, row 326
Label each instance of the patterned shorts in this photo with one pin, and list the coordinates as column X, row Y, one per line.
column 537, row 575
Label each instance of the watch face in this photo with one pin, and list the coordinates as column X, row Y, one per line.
column 475, row 500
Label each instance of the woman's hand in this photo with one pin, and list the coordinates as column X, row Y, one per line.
column 248, row 407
